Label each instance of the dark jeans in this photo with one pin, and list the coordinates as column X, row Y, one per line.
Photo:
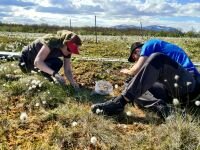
column 53, row 63
column 155, row 85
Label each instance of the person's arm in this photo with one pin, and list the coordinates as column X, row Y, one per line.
column 39, row 63
column 40, row 58
column 68, row 72
column 134, row 70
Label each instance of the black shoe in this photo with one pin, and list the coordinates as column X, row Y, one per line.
column 111, row 107
column 164, row 112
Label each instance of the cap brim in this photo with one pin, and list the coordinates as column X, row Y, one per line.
column 73, row 48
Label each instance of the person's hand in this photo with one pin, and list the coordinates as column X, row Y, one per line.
column 125, row 71
column 60, row 79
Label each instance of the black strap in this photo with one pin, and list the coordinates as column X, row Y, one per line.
column 68, row 56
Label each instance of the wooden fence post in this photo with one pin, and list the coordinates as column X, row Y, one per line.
column 96, row 28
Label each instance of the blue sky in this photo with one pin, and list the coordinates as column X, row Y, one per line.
column 181, row 14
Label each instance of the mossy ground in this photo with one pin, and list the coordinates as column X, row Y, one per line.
column 52, row 109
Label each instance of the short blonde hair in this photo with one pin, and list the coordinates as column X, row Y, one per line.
column 67, row 35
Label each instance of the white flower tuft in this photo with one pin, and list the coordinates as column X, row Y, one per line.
column 98, row 111
column 34, row 86
column 33, row 72
column 37, row 104
column 37, row 82
column 22, row 64
column 40, row 84
column 124, row 126
column 118, row 125
column 175, row 85
column 33, row 81
column 23, row 117
column 128, row 113
column 93, row 140
column 175, row 101
column 188, row 83
column 176, row 77
column 197, row 103
column 116, row 86
column 44, row 102
column 74, row 123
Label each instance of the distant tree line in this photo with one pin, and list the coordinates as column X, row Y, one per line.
column 45, row 28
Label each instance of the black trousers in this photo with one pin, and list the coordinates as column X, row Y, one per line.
column 155, row 84
column 53, row 63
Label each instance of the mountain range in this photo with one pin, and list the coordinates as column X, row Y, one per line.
column 151, row 28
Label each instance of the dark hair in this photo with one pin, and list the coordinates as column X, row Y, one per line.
column 76, row 39
column 134, row 46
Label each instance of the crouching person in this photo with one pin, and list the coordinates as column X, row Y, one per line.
column 162, row 72
column 43, row 54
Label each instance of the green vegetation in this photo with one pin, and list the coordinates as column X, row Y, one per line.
column 60, row 118
column 45, row 28
column 107, row 46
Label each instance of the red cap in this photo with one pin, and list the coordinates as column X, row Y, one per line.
column 73, row 48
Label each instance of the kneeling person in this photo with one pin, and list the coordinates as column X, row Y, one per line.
column 44, row 53
column 160, row 70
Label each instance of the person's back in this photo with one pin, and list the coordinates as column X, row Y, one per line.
column 173, row 51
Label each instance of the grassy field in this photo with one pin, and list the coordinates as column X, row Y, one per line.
column 59, row 118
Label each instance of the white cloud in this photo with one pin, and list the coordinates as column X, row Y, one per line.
column 44, row 3
column 192, row 10
column 109, row 12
